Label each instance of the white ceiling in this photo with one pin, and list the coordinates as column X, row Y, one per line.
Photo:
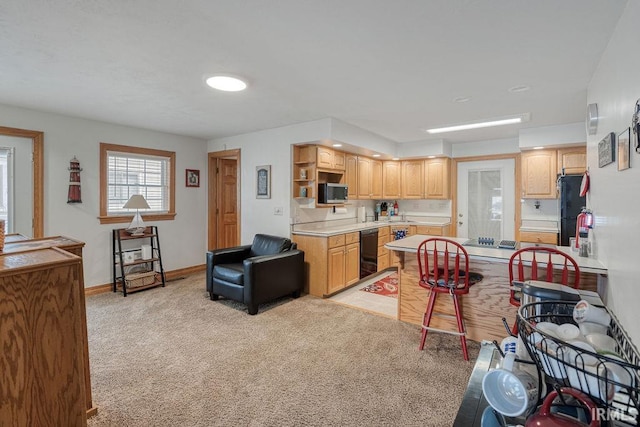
column 391, row 67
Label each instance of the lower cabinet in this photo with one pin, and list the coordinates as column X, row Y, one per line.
column 539, row 237
column 332, row 263
column 383, row 253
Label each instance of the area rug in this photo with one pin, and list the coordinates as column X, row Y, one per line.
column 387, row 286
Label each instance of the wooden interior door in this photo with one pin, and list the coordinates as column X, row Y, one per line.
column 224, row 205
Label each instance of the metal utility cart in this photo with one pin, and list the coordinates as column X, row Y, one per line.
column 136, row 266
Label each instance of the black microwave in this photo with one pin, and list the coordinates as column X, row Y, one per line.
column 332, row 193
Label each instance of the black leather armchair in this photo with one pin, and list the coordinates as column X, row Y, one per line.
column 269, row 268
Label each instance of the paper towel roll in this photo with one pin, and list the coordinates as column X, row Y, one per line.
column 362, row 214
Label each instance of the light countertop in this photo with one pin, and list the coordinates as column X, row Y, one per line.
column 411, row 243
column 323, row 230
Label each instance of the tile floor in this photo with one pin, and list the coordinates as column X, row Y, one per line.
column 377, row 304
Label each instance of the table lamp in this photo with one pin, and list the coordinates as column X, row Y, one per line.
column 136, row 202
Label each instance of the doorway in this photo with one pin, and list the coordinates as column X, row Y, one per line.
column 223, row 218
column 486, row 205
column 33, row 226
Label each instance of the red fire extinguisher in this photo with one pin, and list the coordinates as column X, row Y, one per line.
column 584, row 222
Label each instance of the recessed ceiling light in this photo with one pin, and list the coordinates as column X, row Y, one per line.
column 376, row 155
column 520, row 88
column 538, row 148
column 477, row 125
column 337, row 145
column 396, row 158
column 462, row 99
column 226, row 83
column 431, row 157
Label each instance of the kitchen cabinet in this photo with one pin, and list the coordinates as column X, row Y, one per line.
column 391, row 179
column 351, row 175
column 412, row 179
column 364, row 178
column 327, row 158
column 539, row 237
column 383, row 253
column 333, row 262
column 539, row 174
column 573, row 160
column 304, row 171
column 376, row 179
column 430, row 230
column 436, row 178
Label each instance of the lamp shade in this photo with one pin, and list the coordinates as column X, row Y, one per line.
column 136, row 201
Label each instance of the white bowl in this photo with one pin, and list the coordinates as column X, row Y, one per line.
column 568, row 332
column 601, row 342
column 548, row 328
column 591, row 381
column 579, row 358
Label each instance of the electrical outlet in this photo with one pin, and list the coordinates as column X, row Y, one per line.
column 277, row 210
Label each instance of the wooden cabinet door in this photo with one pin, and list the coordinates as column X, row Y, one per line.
column 351, row 175
column 336, row 269
column 352, row 264
column 391, row 174
column 364, row 178
column 412, row 179
column 573, row 160
column 376, row 179
column 324, row 158
column 339, row 160
column 539, row 174
column 436, row 176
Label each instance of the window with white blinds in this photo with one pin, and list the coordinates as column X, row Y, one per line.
column 130, row 174
column 125, row 171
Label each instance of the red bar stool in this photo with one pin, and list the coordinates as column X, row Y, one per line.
column 444, row 269
column 536, row 263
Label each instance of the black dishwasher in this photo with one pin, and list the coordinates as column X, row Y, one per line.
column 368, row 252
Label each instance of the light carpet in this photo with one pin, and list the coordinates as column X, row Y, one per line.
column 170, row 356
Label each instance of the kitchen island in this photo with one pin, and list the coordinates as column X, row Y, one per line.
column 487, row 301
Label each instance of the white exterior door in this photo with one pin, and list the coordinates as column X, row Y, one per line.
column 486, row 199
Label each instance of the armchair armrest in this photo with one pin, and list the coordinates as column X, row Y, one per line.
column 224, row 256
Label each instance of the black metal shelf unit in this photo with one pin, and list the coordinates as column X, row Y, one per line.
column 133, row 272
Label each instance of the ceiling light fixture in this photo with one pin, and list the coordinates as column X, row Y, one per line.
column 431, row 157
column 478, row 125
column 337, row 145
column 376, row 155
column 538, row 148
column 462, row 99
column 226, row 83
column 520, row 88
column 396, row 158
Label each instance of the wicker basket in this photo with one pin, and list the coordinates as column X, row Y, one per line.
column 136, row 280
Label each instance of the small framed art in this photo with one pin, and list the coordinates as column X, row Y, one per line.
column 606, row 150
column 192, row 178
column 263, row 182
column 624, row 149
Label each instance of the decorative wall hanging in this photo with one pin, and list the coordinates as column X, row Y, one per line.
column 74, row 195
column 192, row 178
column 624, row 149
column 263, row 182
column 606, row 150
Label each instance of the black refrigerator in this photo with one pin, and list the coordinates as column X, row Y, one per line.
column 570, row 206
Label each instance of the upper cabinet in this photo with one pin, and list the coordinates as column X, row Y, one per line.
column 391, row 179
column 412, row 179
column 436, row 178
column 539, row 170
column 330, row 159
column 376, row 179
column 364, row 178
column 351, row 175
column 573, row 160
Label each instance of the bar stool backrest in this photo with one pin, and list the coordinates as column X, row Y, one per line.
column 443, row 265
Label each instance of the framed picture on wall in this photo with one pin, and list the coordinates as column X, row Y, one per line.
column 624, row 149
column 606, row 150
column 192, row 178
column 263, row 182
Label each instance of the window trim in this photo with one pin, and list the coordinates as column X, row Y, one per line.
column 104, row 169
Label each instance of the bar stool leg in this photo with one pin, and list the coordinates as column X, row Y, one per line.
column 463, row 338
column 426, row 320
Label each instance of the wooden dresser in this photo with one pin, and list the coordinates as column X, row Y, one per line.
column 43, row 333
